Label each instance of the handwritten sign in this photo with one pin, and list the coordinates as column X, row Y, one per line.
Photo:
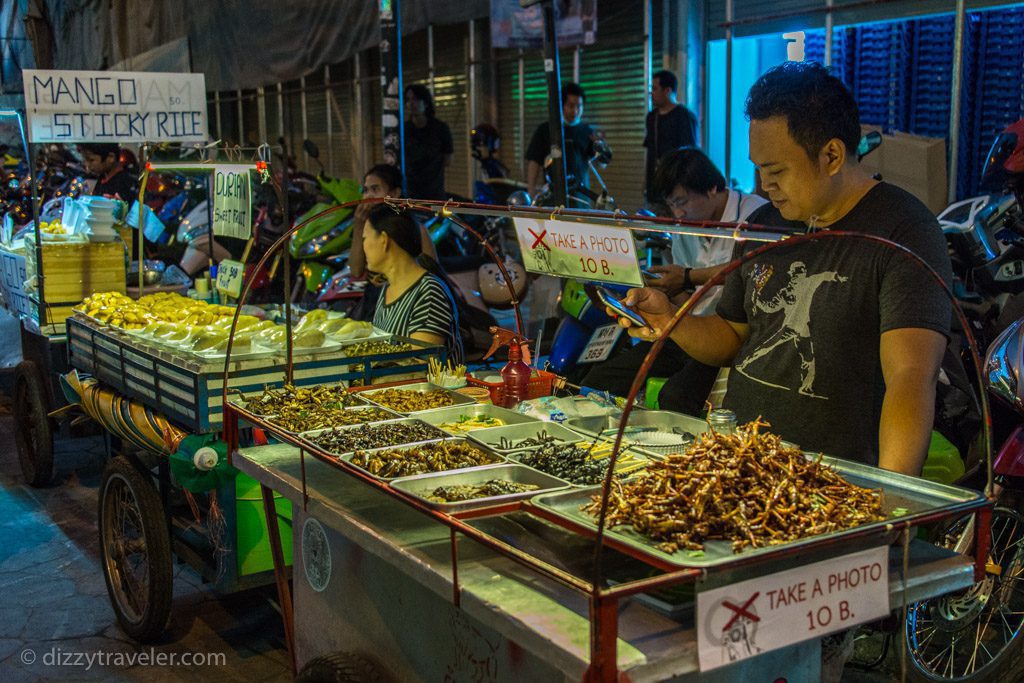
column 232, row 205
column 12, row 284
column 601, row 343
column 230, row 277
column 579, row 250
column 115, row 106
column 755, row 616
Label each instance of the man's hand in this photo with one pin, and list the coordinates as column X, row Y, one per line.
column 671, row 280
column 362, row 212
column 653, row 306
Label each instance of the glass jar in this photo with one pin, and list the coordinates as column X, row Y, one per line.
column 722, row 421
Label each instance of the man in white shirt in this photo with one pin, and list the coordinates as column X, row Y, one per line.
column 694, row 190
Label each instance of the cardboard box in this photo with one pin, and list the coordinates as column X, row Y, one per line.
column 913, row 162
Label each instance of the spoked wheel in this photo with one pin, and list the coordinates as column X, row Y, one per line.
column 975, row 634
column 33, row 433
column 135, row 550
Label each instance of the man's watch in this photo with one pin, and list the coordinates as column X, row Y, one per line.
column 687, row 282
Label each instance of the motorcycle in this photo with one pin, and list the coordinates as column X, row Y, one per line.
column 322, row 245
column 977, row 634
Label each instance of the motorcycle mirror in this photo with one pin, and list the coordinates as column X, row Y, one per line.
column 868, row 144
column 311, row 149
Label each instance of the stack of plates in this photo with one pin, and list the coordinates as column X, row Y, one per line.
column 98, row 217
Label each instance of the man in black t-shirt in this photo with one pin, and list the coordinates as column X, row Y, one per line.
column 103, row 161
column 670, row 126
column 578, row 137
column 428, row 146
column 836, row 342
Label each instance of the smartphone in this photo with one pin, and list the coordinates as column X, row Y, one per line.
column 614, row 303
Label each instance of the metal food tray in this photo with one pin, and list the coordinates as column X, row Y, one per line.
column 606, row 427
column 495, row 458
column 491, row 437
column 392, row 415
column 439, row 416
column 421, row 485
column 422, row 387
column 308, row 436
column 916, row 496
column 243, row 400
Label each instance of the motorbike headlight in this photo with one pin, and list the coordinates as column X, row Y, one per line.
column 519, row 198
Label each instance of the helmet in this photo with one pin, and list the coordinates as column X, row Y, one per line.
column 493, row 289
column 1004, row 166
column 484, row 135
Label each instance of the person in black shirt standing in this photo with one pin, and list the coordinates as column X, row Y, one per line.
column 428, row 146
column 579, row 142
column 670, row 126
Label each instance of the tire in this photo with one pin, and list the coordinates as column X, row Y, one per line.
column 135, row 550
column 33, row 429
column 977, row 634
column 341, row 667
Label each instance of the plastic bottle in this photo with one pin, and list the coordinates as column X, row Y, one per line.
column 515, row 376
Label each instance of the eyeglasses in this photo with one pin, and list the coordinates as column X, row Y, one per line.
column 676, row 203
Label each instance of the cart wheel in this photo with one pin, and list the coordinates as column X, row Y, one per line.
column 975, row 634
column 33, row 433
column 135, row 550
column 341, row 667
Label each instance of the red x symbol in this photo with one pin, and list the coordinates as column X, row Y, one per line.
column 741, row 611
column 539, row 239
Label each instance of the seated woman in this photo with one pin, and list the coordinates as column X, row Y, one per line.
column 383, row 180
column 413, row 303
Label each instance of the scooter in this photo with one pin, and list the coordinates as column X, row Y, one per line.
column 978, row 634
column 322, row 245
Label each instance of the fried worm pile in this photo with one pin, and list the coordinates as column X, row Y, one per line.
column 747, row 488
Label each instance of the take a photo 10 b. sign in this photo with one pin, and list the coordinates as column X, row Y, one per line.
column 585, row 251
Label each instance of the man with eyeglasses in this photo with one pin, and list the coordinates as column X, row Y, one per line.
column 694, row 190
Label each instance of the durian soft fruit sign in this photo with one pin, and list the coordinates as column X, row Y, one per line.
column 232, row 201
column 115, row 106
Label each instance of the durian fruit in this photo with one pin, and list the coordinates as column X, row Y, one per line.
column 207, row 338
column 312, row 319
column 309, row 339
column 332, row 326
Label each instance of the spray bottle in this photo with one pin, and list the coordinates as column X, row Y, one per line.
column 515, row 376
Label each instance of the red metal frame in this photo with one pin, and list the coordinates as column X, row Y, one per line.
column 603, row 601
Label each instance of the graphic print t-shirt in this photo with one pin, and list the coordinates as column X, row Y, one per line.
column 427, row 306
column 816, row 312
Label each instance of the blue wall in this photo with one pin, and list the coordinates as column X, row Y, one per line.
column 900, row 73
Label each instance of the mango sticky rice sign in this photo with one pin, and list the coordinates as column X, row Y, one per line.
column 115, row 106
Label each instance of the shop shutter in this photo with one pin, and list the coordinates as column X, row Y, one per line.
column 611, row 73
column 861, row 14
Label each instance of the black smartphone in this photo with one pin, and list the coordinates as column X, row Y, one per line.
column 614, row 303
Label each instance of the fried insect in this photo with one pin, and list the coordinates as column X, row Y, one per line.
column 376, row 348
column 296, row 419
column 432, row 457
column 541, row 439
column 747, row 488
column 577, row 463
column 289, row 397
column 409, row 401
column 375, row 436
column 488, row 489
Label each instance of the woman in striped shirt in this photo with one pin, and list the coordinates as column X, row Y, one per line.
column 413, row 303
